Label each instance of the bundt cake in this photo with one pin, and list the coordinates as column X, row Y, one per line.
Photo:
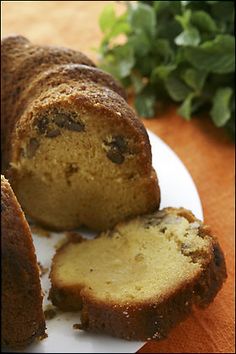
column 74, row 151
column 22, row 318
column 140, row 279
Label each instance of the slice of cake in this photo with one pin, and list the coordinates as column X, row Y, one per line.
column 22, row 317
column 142, row 278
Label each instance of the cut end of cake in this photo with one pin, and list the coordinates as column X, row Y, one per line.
column 77, row 167
column 142, row 277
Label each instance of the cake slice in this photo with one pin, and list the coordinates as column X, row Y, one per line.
column 22, row 318
column 142, row 278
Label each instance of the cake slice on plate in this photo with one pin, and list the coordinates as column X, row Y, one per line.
column 140, row 279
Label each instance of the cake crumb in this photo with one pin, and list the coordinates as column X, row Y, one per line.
column 71, row 236
column 43, row 270
column 74, row 236
column 50, row 312
column 77, row 326
column 43, row 336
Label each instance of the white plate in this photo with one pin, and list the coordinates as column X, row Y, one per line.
column 177, row 189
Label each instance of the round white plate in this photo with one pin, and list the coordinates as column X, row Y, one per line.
column 176, row 184
column 177, row 189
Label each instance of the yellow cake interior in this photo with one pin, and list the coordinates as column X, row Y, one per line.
column 139, row 260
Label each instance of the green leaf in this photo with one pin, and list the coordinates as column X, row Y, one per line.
column 223, row 10
column 189, row 37
column 142, row 17
column 107, row 18
column 160, row 6
column 145, row 66
column 184, row 19
column 215, row 56
column 119, row 28
column 145, row 103
column 194, row 78
column 185, row 109
column 119, row 61
column 203, row 21
column 162, row 71
column 140, row 43
column 167, row 7
column 137, row 82
column 175, row 7
column 220, row 111
column 162, row 47
column 168, row 32
column 124, row 60
column 176, row 88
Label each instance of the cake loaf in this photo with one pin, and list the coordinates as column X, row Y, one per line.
column 142, row 278
column 22, row 318
column 74, row 151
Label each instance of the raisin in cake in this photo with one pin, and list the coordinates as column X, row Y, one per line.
column 74, row 151
column 142, row 278
column 22, row 318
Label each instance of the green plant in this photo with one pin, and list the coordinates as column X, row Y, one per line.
column 183, row 50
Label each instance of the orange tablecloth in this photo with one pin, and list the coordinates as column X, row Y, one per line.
column 204, row 149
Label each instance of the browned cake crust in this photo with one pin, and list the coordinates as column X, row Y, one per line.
column 27, row 69
column 21, row 62
column 151, row 321
column 22, row 319
column 145, row 320
column 39, row 84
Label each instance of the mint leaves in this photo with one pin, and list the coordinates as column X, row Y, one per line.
column 183, row 50
column 215, row 56
column 220, row 111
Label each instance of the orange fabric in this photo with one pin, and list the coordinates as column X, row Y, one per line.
column 209, row 156
column 204, row 149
